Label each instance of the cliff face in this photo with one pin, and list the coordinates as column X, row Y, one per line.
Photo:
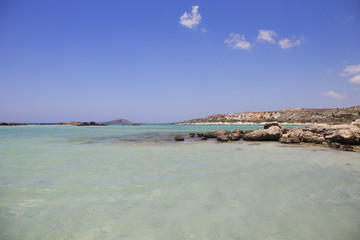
column 299, row 115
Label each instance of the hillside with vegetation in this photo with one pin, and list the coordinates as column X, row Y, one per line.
column 294, row 115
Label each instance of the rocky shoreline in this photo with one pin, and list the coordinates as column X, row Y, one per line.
column 344, row 137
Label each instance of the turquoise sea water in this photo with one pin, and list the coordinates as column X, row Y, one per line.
column 134, row 182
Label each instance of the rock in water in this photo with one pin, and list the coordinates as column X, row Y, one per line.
column 289, row 140
column 234, row 136
column 179, row 138
column 271, row 134
column 215, row 134
column 344, row 134
column 223, row 138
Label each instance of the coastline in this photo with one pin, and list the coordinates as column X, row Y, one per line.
column 243, row 123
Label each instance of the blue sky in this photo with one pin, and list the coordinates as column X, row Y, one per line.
column 165, row 61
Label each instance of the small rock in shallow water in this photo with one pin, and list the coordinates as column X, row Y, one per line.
column 179, row 138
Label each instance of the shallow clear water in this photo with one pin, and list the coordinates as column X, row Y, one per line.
column 134, row 182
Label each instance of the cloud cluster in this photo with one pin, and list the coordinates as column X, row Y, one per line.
column 333, row 95
column 237, row 41
column 191, row 20
column 352, row 70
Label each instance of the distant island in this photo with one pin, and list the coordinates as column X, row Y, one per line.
column 11, row 124
column 119, row 121
column 294, row 115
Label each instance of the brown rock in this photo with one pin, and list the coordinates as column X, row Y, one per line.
column 287, row 140
column 215, row 134
column 223, row 138
column 271, row 124
column 271, row 134
column 344, row 134
column 179, row 138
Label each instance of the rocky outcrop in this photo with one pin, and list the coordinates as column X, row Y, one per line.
column 344, row 134
column 342, row 137
column 271, row 134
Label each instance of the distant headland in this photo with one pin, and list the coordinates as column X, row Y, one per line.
column 294, row 115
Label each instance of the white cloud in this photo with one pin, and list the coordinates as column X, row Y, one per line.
column 203, row 30
column 191, row 20
column 289, row 43
column 334, row 95
column 266, row 36
column 355, row 79
column 237, row 41
column 350, row 70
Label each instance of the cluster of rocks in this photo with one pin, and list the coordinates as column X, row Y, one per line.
column 342, row 137
column 81, row 123
column 11, row 124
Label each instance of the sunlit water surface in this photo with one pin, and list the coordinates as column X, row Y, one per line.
column 135, row 182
